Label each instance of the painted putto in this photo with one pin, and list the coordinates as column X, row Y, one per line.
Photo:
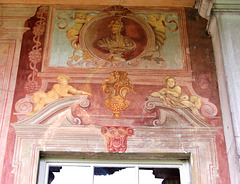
column 172, row 95
column 60, row 90
column 157, row 23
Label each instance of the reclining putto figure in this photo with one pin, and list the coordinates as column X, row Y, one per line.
column 60, row 90
column 172, row 95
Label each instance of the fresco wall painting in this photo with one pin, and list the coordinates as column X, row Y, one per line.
column 115, row 80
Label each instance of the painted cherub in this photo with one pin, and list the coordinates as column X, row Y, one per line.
column 172, row 95
column 72, row 33
column 60, row 90
column 159, row 29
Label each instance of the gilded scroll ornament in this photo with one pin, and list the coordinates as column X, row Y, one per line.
column 172, row 95
column 60, row 90
column 116, row 88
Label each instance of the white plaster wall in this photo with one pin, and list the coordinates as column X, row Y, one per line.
column 229, row 25
column 231, row 147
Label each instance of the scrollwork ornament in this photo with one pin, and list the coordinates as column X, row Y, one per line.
column 149, row 105
column 209, row 110
column 24, row 105
column 161, row 120
column 74, row 120
column 84, row 103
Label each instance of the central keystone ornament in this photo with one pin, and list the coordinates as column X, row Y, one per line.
column 116, row 137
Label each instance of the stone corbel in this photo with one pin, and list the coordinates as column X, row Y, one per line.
column 204, row 8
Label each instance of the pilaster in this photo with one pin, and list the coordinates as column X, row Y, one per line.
column 12, row 27
column 223, row 27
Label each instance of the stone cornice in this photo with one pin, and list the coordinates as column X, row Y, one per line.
column 20, row 11
column 154, row 3
column 227, row 4
column 13, row 17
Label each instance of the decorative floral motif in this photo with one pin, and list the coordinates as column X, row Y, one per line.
column 39, row 29
column 35, row 55
column 32, row 86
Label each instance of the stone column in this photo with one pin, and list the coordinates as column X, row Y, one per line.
column 224, row 29
column 12, row 21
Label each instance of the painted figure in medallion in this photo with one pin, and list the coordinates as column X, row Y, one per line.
column 172, row 95
column 117, row 87
column 116, row 43
column 60, row 90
